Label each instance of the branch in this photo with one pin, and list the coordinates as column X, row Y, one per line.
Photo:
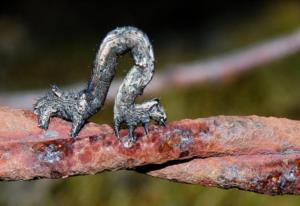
column 182, row 75
column 251, row 153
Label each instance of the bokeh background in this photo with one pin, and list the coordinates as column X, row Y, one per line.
column 42, row 43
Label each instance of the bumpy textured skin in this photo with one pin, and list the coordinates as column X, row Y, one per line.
column 79, row 106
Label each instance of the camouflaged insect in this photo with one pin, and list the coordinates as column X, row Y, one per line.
column 79, row 106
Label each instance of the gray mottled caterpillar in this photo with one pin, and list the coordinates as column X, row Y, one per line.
column 79, row 106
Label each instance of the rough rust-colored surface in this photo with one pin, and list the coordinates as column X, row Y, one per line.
column 272, row 174
column 252, row 153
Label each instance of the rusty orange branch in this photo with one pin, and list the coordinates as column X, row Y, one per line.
column 251, row 153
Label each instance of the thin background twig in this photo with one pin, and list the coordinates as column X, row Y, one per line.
column 182, row 75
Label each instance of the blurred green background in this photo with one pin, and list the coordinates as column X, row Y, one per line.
column 42, row 43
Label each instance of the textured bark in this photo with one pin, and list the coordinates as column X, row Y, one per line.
column 251, row 153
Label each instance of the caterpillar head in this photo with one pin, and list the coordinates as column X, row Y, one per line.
column 157, row 112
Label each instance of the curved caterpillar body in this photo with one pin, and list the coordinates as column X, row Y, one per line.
column 79, row 106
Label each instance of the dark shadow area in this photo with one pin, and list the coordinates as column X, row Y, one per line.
column 152, row 167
